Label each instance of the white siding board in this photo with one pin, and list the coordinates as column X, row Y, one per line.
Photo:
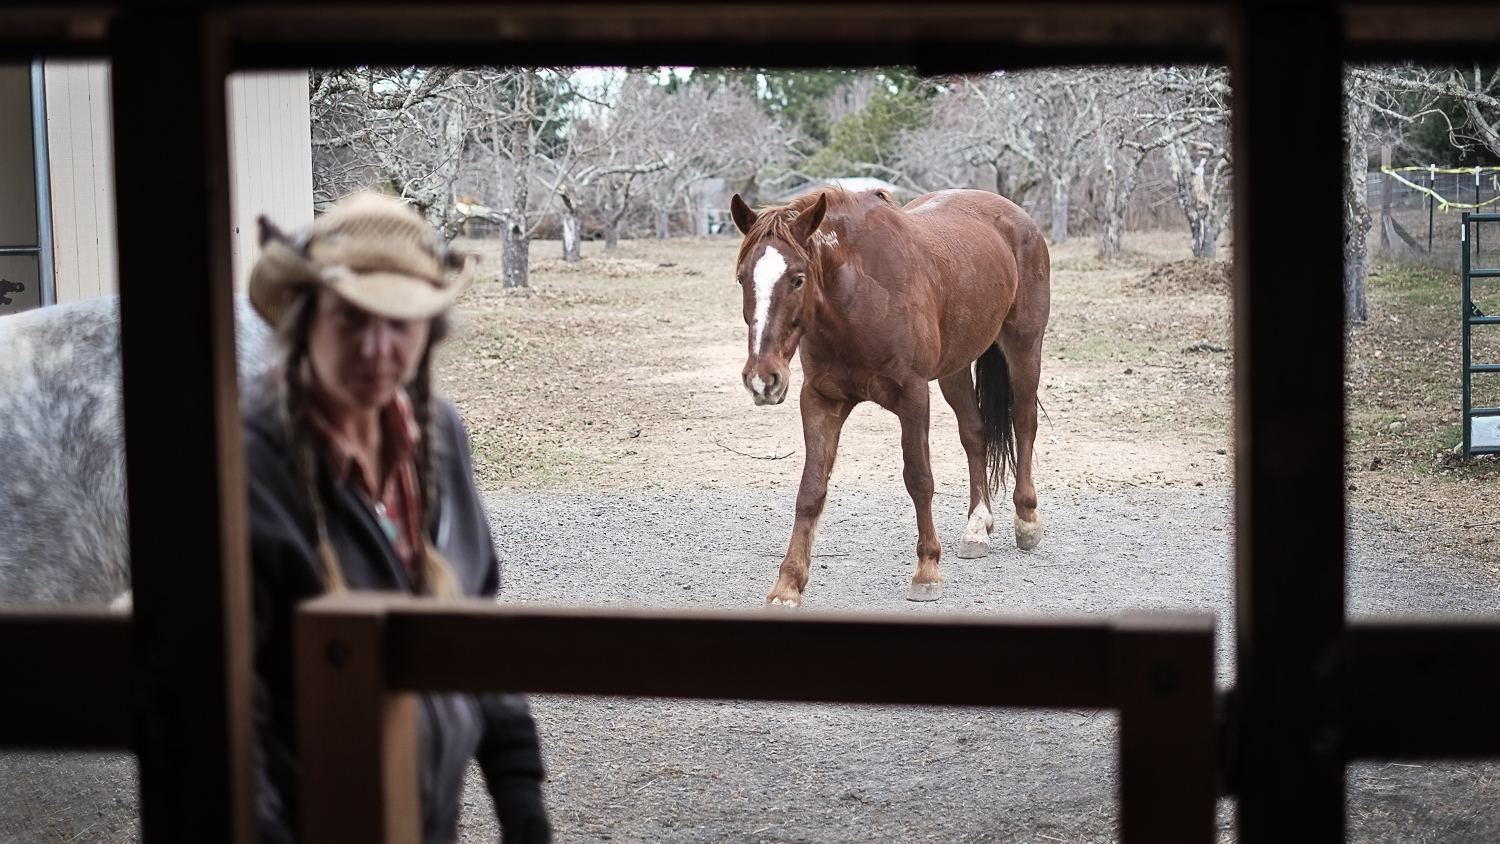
column 81, row 155
column 270, row 158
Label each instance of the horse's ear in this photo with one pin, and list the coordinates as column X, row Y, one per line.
column 269, row 232
column 744, row 216
column 808, row 221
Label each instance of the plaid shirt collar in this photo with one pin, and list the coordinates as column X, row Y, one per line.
column 399, row 436
column 393, row 499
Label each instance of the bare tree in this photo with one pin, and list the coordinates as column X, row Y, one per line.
column 710, row 128
column 1191, row 115
column 1380, row 104
column 1478, row 96
column 1055, row 116
column 1164, row 108
column 518, row 106
column 962, row 146
column 606, row 146
column 400, row 130
column 1124, row 143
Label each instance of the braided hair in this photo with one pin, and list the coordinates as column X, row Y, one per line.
column 435, row 576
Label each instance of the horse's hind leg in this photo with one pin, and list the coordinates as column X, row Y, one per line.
column 1024, row 355
column 958, row 389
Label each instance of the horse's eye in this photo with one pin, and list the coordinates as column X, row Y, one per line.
column 797, row 281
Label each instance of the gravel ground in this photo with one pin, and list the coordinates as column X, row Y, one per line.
column 670, row 770
column 639, row 770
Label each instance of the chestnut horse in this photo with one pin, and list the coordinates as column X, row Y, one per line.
column 880, row 300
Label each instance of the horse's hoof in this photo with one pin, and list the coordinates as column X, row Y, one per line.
column 783, row 603
column 1028, row 534
column 971, row 550
column 925, row 592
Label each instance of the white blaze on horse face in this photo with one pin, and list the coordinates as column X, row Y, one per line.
column 768, row 270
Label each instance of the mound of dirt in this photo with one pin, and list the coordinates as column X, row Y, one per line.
column 610, row 267
column 1193, row 275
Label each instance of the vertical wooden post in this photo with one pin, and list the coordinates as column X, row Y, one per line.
column 1387, row 188
column 1164, row 683
column 191, row 631
column 357, row 742
column 1287, row 74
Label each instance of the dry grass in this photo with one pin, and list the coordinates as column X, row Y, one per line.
column 1403, row 392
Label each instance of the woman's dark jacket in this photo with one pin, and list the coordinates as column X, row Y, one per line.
column 497, row 730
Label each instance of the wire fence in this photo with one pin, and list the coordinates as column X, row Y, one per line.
column 1425, row 207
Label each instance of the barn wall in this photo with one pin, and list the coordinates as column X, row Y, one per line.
column 80, row 153
column 270, row 164
column 270, row 158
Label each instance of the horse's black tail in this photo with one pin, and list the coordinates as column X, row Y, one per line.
column 996, row 403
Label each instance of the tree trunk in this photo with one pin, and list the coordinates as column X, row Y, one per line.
column 572, row 251
column 750, row 191
column 1059, row 209
column 516, row 248
column 1205, row 237
column 1112, row 210
column 515, row 255
column 616, row 204
column 611, row 231
column 697, row 214
column 1356, row 211
column 663, row 222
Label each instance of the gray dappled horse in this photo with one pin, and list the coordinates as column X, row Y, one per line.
column 63, row 525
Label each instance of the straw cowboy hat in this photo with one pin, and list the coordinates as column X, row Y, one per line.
column 374, row 250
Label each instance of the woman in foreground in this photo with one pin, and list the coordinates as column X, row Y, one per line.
column 360, row 479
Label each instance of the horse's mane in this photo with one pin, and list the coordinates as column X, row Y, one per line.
column 777, row 221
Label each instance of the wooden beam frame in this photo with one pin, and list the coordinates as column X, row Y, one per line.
column 1287, row 75
column 189, row 549
column 360, row 658
column 1314, row 690
column 65, row 679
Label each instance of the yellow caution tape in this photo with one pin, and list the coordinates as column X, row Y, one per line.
column 1444, row 204
column 1467, row 171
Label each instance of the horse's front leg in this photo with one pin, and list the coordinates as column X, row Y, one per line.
column 822, row 420
column 914, row 413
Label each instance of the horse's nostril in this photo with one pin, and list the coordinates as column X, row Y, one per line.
column 775, row 381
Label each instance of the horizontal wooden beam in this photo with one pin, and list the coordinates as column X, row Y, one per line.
column 803, row 657
column 942, row 37
column 936, row 37
column 804, row 23
column 362, row 656
column 65, row 679
column 1420, row 688
column 1376, row 22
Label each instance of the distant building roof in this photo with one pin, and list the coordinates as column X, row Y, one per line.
column 850, row 183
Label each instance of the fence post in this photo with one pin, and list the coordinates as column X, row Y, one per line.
column 1431, row 202
column 1386, row 189
column 357, row 741
column 1164, row 686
